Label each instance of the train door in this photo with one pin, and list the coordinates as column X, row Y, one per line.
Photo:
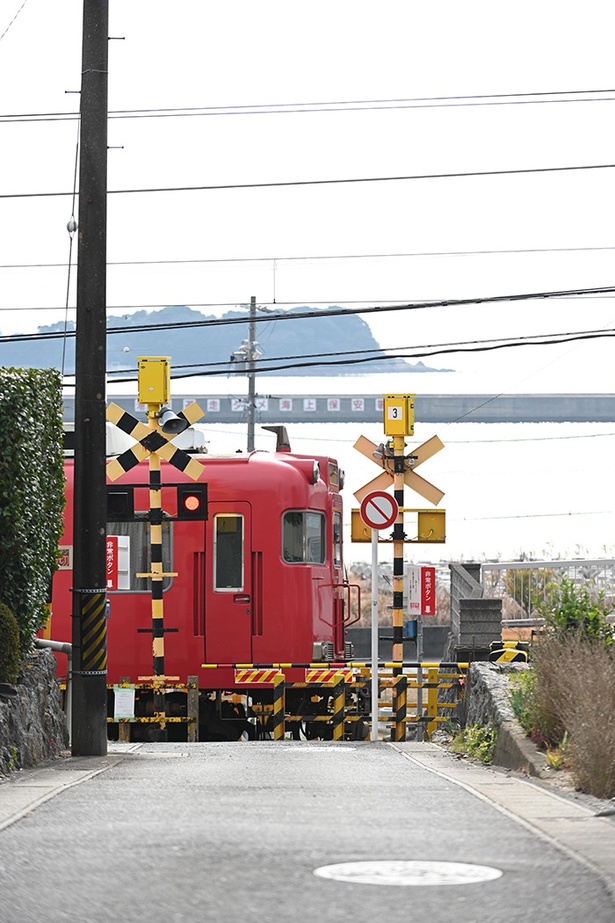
column 229, row 590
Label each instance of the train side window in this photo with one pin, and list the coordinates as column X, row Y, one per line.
column 228, row 552
column 303, row 537
column 337, row 539
column 140, row 553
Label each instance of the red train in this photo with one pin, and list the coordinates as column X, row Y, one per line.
column 259, row 581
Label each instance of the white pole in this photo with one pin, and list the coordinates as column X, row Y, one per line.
column 374, row 634
column 420, row 729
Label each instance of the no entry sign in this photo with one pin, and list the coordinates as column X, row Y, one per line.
column 379, row 510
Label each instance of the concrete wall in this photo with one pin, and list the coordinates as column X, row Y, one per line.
column 33, row 726
column 475, row 622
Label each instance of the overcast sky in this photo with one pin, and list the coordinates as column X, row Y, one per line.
column 289, row 92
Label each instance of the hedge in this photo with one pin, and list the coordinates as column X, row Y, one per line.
column 31, row 493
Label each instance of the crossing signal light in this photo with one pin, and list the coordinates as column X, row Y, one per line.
column 120, row 504
column 192, row 501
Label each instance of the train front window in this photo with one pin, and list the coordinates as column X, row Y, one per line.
column 303, row 537
column 337, row 539
column 228, row 552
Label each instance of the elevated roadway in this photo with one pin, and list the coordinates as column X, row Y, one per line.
column 302, row 830
column 429, row 408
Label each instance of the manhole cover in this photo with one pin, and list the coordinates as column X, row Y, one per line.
column 411, row 873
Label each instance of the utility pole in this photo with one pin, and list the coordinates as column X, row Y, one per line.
column 89, row 635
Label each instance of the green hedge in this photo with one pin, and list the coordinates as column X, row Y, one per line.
column 31, row 493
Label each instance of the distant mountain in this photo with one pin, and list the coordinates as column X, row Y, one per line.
column 198, row 342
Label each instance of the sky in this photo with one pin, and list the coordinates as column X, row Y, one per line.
column 471, row 115
column 447, row 72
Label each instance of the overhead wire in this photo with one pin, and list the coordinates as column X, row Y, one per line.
column 419, row 102
column 285, row 184
column 321, row 257
column 331, row 312
column 262, row 366
column 71, row 228
column 13, row 19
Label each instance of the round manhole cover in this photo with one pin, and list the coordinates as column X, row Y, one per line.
column 411, row 873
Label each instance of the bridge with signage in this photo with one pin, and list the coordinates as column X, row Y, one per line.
column 428, row 408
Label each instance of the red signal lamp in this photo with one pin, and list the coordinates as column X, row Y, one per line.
column 192, row 501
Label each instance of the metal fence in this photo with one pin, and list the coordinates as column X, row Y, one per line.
column 524, row 586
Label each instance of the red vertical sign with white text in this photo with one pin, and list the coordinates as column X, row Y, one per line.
column 428, row 591
column 112, row 562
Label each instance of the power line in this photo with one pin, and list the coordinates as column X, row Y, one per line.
column 264, row 366
column 419, row 102
column 13, row 19
column 277, row 304
column 379, row 353
column 468, row 174
column 304, row 315
column 317, row 257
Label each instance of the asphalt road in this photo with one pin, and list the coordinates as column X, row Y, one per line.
column 248, row 831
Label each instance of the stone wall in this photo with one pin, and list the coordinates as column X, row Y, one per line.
column 33, row 726
column 487, row 703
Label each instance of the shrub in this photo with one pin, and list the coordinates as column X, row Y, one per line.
column 566, row 706
column 585, row 708
column 476, row 741
column 10, row 651
column 31, row 492
column 573, row 609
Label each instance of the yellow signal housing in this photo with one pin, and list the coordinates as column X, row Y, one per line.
column 430, row 528
column 399, row 414
column 154, row 379
column 359, row 532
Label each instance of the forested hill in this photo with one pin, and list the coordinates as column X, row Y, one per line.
column 197, row 341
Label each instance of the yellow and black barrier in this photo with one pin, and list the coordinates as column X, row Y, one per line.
column 509, row 651
column 351, row 675
column 400, row 706
column 279, row 709
column 315, row 676
column 335, row 684
column 159, row 686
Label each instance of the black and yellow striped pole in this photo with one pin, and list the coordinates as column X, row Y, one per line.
column 339, row 706
column 398, row 423
column 279, row 706
column 157, row 573
column 154, row 386
column 154, row 390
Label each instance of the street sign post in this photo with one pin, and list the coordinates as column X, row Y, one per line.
column 379, row 510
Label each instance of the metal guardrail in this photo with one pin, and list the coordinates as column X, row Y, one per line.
column 525, row 585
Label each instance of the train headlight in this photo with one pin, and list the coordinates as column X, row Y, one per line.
column 309, row 468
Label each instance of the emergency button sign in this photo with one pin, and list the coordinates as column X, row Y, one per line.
column 379, row 510
column 421, row 590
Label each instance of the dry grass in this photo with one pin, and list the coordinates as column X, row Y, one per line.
column 575, row 696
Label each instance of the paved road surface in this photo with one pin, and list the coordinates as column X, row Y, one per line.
column 159, row 833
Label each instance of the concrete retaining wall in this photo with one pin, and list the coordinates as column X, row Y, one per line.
column 487, row 700
column 33, row 726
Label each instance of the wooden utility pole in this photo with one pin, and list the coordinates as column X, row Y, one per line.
column 89, row 636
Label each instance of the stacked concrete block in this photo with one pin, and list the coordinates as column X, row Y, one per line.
column 476, row 622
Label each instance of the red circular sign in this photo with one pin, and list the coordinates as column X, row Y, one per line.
column 379, row 510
